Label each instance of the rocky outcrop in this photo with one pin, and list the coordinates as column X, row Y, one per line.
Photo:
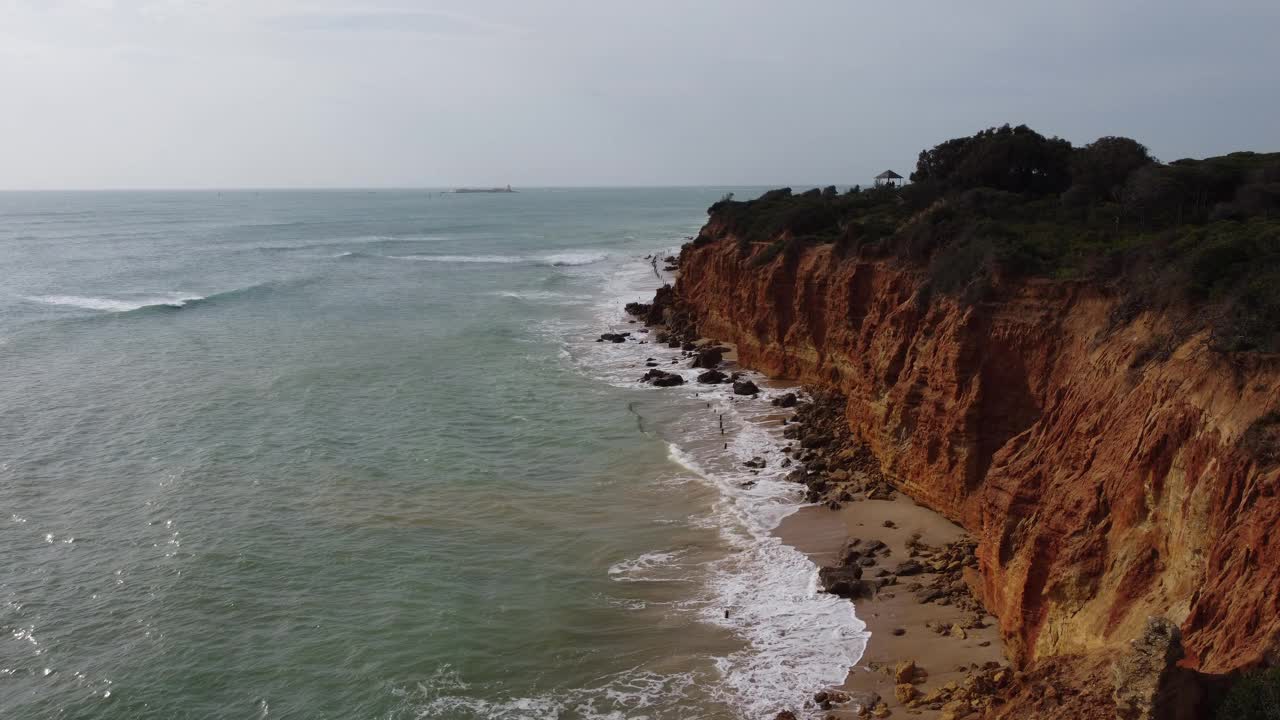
column 1148, row 684
column 1110, row 465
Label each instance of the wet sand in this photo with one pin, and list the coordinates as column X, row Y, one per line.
column 821, row 533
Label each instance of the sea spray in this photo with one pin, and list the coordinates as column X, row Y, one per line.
column 798, row 639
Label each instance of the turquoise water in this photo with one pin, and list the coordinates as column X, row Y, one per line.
column 357, row 455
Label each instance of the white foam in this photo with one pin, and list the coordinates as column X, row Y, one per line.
column 650, row 567
column 795, row 639
column 500, row 259
column 571, row 259
column 114, row 304
column 544, row 296
column 633, row 694
column 798, row 639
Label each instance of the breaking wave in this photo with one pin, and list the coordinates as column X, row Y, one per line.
column 121, row 303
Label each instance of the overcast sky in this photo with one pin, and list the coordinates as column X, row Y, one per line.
column 372, row 93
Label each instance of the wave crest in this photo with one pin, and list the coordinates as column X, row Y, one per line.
column 502, row 259
column 572, row 259
column 116, row 304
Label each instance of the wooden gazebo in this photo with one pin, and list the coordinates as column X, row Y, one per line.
column 888, row 178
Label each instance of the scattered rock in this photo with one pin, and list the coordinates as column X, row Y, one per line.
column 812, row 440
column 745, row 387
column 712, row 377
column 662, row 378
column 638, row 309
column 709, row 358
column 1146, row 681
column 845, row 582
column 899, row 631
column 614, row 337
column 786, row 401
column 908, row 567
column 905, row 693
column 755, row 462
column 862, row 702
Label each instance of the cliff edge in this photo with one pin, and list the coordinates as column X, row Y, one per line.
column 1115, row 458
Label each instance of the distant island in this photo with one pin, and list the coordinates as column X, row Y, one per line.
column 506, row 189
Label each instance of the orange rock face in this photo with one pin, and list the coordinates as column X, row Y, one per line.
column 1110, row 469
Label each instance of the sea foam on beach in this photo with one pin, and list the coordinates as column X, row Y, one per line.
column 797, row 640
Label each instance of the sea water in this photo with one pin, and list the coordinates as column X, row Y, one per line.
column 359, row 455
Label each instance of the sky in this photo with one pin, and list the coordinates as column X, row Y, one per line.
column 396, row 93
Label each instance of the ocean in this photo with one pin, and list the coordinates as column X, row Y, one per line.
column 350, row 454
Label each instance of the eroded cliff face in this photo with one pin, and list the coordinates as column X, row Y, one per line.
column 1109, row 472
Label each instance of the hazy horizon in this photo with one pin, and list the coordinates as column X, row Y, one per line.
column 287, row 94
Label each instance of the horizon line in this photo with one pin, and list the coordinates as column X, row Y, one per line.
column 424, row 188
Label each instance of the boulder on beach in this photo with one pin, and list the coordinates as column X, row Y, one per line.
column 709, row 357
column 812, row 440
column 614, row 337
column 908, row 567
column 755, row 462
column 638, row 309
column 712, row 377
column 786, row 401
column 745, row 387
column 861, row 701
column 845, row 582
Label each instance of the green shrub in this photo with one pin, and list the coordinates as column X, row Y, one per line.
column 1009, row 202
column 1253, row 697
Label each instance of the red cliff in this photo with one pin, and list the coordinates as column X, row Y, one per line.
column 1111, row 465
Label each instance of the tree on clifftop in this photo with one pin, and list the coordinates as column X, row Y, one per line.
column 1100, row 169
column 1014, row 159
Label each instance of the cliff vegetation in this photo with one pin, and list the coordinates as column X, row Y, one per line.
column 1008, row 203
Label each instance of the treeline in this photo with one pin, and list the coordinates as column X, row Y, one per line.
column 1116, row 172
column 1009, row 202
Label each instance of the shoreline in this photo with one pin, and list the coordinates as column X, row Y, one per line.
column 901, row 627
column 931, row 651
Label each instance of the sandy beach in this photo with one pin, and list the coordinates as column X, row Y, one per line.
column 945, row 658
column 932, row 645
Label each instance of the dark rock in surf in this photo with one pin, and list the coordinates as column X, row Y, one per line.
column 786, row 401
column 709, row 357
column 712, row 377
column 638, row 309
column 661, row 378
column 745, row 387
